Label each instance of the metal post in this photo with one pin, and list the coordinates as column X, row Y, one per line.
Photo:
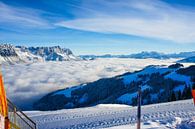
column 15, row 110
column 139, row 108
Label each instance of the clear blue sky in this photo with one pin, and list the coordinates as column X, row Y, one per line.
column 100, row 26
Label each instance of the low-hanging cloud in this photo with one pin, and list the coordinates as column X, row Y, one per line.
column 145, row 18
column 27, row 83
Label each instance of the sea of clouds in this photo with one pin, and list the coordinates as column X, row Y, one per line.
column 26, row 83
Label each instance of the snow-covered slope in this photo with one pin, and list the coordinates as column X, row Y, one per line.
column 25, row 55
column 188, row 60
column 157, row 116
column 11, row 54
column 8, row 54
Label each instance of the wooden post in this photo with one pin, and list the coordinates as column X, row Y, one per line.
column 139, row 108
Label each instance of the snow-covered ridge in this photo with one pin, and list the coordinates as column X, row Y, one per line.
column 8, row 54
column 188, row 60
column 17, row 54
column 143, row 55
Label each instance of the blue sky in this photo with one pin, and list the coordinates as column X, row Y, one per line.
column 100, row 26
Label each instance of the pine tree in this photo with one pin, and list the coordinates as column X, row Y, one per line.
column 173, row 97
column 179, row 97
column 193, row 85
column 184, row 93
column 193, row 82
column 169, row 97
column 188, row 93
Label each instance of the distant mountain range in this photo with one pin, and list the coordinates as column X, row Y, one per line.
column 158, row 84
column 17, row 54
column 143, row 55
column 188, row 60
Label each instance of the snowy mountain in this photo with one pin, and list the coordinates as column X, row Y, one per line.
column 143, row 55
column 182, row 54
column 188, row 60
column 55, row 53
column 158, row 84
column 8, row 54
column 16, row 54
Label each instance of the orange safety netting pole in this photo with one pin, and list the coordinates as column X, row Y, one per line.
column 193, row 94
column 3, row 103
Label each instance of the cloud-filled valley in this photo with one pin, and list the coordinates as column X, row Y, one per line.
column 28, row 82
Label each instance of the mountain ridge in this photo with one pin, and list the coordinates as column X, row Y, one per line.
column 187, row 60
column 143, row 55
column 17, row 54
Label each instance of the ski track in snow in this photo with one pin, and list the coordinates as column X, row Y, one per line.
column 104, row 117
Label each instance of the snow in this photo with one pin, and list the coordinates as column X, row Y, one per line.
column 126, row 98
column 179, row 88
column 83, row 98
column 145, row 87
column 157, row 116
column 113, row 105
column 154, row 96
column 155, row 69
column 178, row 77
column 129, row 78
column 149, row 70
column 27, row 56
column 175, row 123
column 6, row 60
column 67, row 92
column 162, row 90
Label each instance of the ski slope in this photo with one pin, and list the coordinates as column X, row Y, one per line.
column 164, row 115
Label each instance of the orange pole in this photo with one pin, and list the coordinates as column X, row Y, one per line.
column 3, row 103
column 193, row 94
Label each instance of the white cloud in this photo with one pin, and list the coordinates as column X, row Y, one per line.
column 27, row 83
column 146, row 18
column 22, row 17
